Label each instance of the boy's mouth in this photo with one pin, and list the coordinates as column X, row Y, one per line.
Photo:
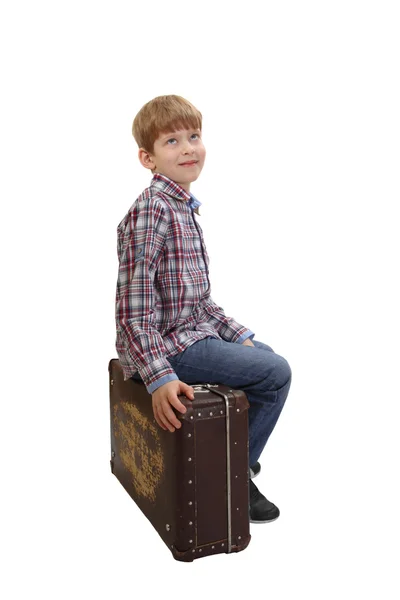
column 188, row 164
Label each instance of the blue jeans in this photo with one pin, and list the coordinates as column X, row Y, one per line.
column 263, row 375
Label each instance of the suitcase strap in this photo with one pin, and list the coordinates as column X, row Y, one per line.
column 211, row 387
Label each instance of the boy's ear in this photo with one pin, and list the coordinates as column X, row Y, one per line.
column 146, row 159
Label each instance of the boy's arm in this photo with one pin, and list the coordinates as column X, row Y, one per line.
column 229, row 329
column 139, row 250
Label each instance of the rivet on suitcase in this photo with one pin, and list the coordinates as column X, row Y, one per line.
column 192, row 484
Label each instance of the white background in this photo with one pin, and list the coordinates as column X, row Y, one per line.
column 300, row 104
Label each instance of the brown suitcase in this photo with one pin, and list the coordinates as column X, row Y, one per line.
column 192, row 484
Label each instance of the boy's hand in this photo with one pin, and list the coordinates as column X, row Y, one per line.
column 248, row 342
column 165, row 396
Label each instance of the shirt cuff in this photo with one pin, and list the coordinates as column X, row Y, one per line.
column 245, row 336
column 165, row 379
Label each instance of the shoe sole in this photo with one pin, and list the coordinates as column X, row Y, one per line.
column 268, row 521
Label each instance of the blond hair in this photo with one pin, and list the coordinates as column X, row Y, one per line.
column 161, row 115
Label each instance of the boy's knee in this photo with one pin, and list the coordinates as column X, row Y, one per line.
column 283, row 372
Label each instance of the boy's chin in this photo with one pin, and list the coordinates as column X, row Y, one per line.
column 183, row 177
column 189, row 177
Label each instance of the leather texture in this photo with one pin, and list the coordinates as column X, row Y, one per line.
column 179, row 479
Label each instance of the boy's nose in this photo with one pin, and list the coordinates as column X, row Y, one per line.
column 188, row 149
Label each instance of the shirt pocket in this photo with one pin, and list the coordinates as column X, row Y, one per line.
column 193, row 252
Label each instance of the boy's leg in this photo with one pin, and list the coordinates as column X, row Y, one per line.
column 262, row 374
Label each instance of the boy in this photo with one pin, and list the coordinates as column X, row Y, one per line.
column 168, row 327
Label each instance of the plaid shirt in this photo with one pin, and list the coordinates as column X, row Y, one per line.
column 163, row 301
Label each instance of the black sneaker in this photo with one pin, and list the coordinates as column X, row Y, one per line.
column 254, row 470
column 261, row 510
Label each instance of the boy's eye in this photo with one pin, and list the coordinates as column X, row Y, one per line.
column 174, row 139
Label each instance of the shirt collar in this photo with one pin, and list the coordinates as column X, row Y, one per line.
column 164, row 184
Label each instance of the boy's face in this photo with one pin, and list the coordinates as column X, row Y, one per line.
column 171, row 151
